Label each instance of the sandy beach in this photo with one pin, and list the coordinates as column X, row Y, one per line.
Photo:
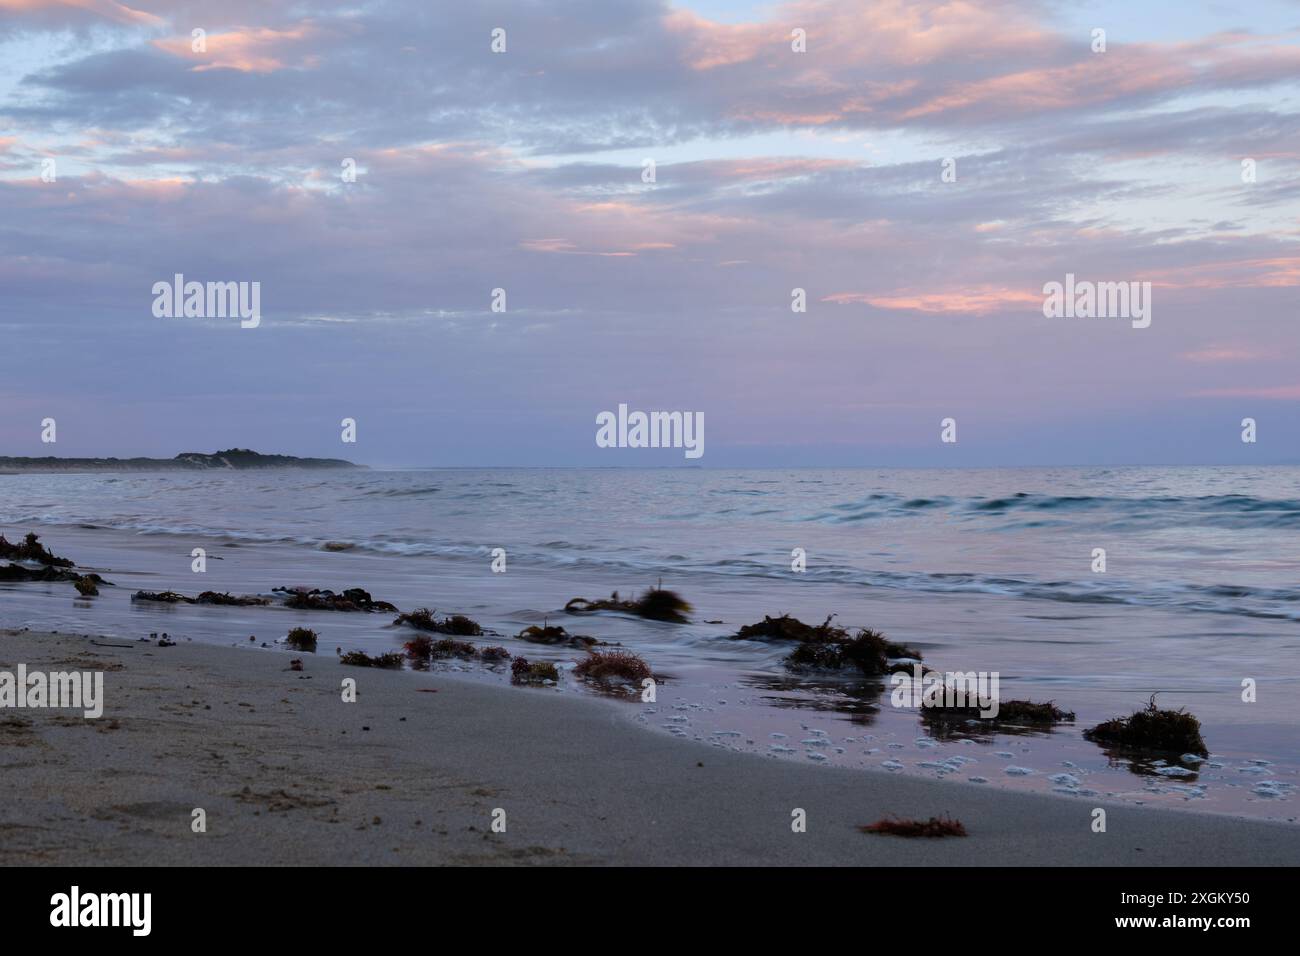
column 286, row 772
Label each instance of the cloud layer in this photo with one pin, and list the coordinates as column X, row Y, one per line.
column 221, row 154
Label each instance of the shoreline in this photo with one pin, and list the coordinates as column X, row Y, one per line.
column 737, row 694
column 288, row 773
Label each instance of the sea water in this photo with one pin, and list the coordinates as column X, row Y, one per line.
column 980, row 570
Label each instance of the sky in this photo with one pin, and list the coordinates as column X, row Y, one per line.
column 128, row 156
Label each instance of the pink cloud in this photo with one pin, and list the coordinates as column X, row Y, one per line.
column 547, row 245
column 710, row 44
column 898, row 60
column 1107, row 77
column 897, row 32
column 259, row 50
column 1275, row 272
column 765, row 170
column 104, row 8
column 969, row 301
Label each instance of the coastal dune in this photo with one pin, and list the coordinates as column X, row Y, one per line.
column 413, row 771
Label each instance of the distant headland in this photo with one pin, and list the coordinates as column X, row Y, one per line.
column 232, row 459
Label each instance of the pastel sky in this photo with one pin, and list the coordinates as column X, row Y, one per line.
column 774, row 170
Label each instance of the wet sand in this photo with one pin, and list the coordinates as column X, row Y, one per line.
column 288, row 773
column 767, row 707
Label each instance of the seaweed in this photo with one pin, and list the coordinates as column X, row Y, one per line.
column 449, row 648
column 1030, row 712
column 457, row 624
column 207, row 597
column 16, row 572
column 1009, row 712
column 656, row 604
column 816, row 655
column 86, row 587
column 31, row 549
column 553, row 635
column 421, row 650
column 787, row 628
column 227, row 599
column 362, row 659
column 421, row 617
column 302, row 639
column 418, row 651
column 870, row 652
column 934, row 827
column 315, row 599
column 162, row 597
column 607, row 665
column 522, row 671
column 1153, row 729
column 492, row 655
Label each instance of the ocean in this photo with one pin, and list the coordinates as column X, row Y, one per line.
column 981, row 570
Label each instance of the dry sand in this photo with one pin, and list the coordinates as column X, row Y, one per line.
column 289, row 774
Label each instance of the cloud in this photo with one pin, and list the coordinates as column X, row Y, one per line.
column 775, row 170
column 966, row 301
column 57, row 9
column 260, row 50
column 639, row 72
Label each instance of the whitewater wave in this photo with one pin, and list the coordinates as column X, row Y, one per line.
column 1217, row 511
column 869, row 531
column 1217, row 598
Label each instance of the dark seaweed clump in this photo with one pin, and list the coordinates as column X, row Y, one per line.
column 16, row 572
column 787, row 628
column 1023, row 712
column 31, row 549
column 162, row 597
column 231, row 600
column 870, row 653
column 207, row 597
column 1030, row 712
column 492, row 655
column 612, row 665
column 1164, row 731
column 449, row 648
column 421, row 650
column 456, row 624
column 302, row 639
column 522, row 671
column 362, row 659
column 353, row 599
column 656, row 604
column 553, row 635
column 933, row 827
column 828, row 647
column 86, row 587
